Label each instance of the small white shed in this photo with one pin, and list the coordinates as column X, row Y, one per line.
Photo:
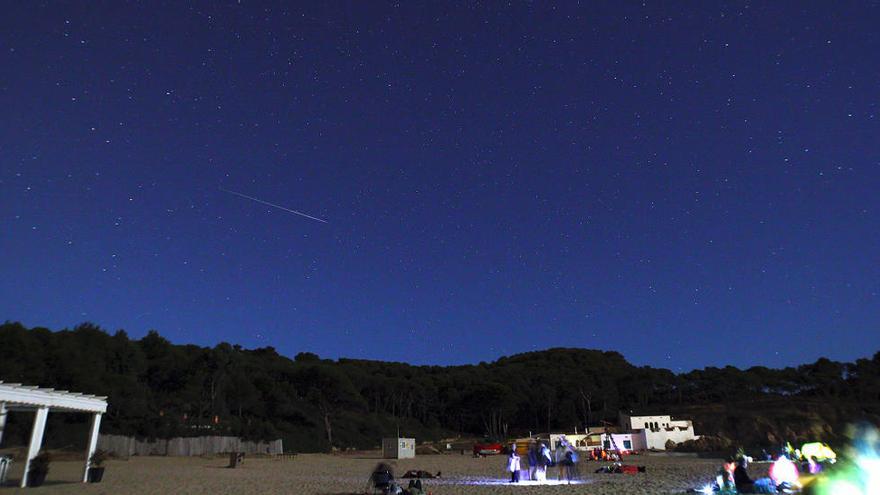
column 398, row 448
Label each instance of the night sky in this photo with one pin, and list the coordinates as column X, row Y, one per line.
column 691, row 183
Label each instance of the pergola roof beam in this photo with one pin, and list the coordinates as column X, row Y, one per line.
column 17, row 396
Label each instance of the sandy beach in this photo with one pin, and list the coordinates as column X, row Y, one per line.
column 347, row 474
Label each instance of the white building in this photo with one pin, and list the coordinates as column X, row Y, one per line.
column 576, row 440
column 652, row 432
column 398, row 448
column 617, row 442
column 609, row 441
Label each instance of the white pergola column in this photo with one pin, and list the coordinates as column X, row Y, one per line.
column 93, row 443
column 36, row 440
column 2, row 420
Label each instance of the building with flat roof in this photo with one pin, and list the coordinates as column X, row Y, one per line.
column 653, row 432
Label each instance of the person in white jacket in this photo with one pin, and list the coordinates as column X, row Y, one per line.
column 513, row 464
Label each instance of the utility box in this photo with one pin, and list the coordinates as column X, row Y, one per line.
column 398, row 448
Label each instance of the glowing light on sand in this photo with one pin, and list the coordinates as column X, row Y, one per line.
column 861, row 474
column 505, row 482
column 844, row 488
column 784, row 471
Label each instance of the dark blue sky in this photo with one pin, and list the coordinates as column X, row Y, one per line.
column 689, row 184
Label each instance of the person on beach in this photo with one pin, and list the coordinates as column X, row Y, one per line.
column 382, row 479
column 544, row 460
column 419, row 474
column 724, row 478
column 560, row 460
column 533, row 456
column 566, row 459
column 571, row 459
column 513, row 464
column 744, row 483
column 415, row 488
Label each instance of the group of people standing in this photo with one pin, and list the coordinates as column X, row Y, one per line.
column 540, row 457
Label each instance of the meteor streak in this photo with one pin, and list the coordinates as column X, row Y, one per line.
column 273, row 205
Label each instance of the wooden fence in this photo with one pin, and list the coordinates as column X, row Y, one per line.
column 124, row 446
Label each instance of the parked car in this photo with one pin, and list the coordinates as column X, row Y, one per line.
column 488, row 448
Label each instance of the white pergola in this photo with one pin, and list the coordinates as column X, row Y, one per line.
column 18, row 397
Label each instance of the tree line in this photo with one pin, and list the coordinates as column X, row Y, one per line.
column 157, row 389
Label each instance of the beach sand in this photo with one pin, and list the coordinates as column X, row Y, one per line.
column 346, row 474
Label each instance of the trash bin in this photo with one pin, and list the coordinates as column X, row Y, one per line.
column 5, row 461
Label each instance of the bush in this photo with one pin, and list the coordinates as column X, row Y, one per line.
column 705, row 443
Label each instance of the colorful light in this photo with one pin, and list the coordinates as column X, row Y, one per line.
column 818, row 450
column 843, row 488
column 784, row 471
column 861, row 474
column 479, row 481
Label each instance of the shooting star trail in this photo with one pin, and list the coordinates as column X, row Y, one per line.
column 273, row 205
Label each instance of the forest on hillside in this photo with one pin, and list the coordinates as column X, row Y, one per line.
column 157, row 389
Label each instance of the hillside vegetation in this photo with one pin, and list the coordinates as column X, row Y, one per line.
column 158, row 389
